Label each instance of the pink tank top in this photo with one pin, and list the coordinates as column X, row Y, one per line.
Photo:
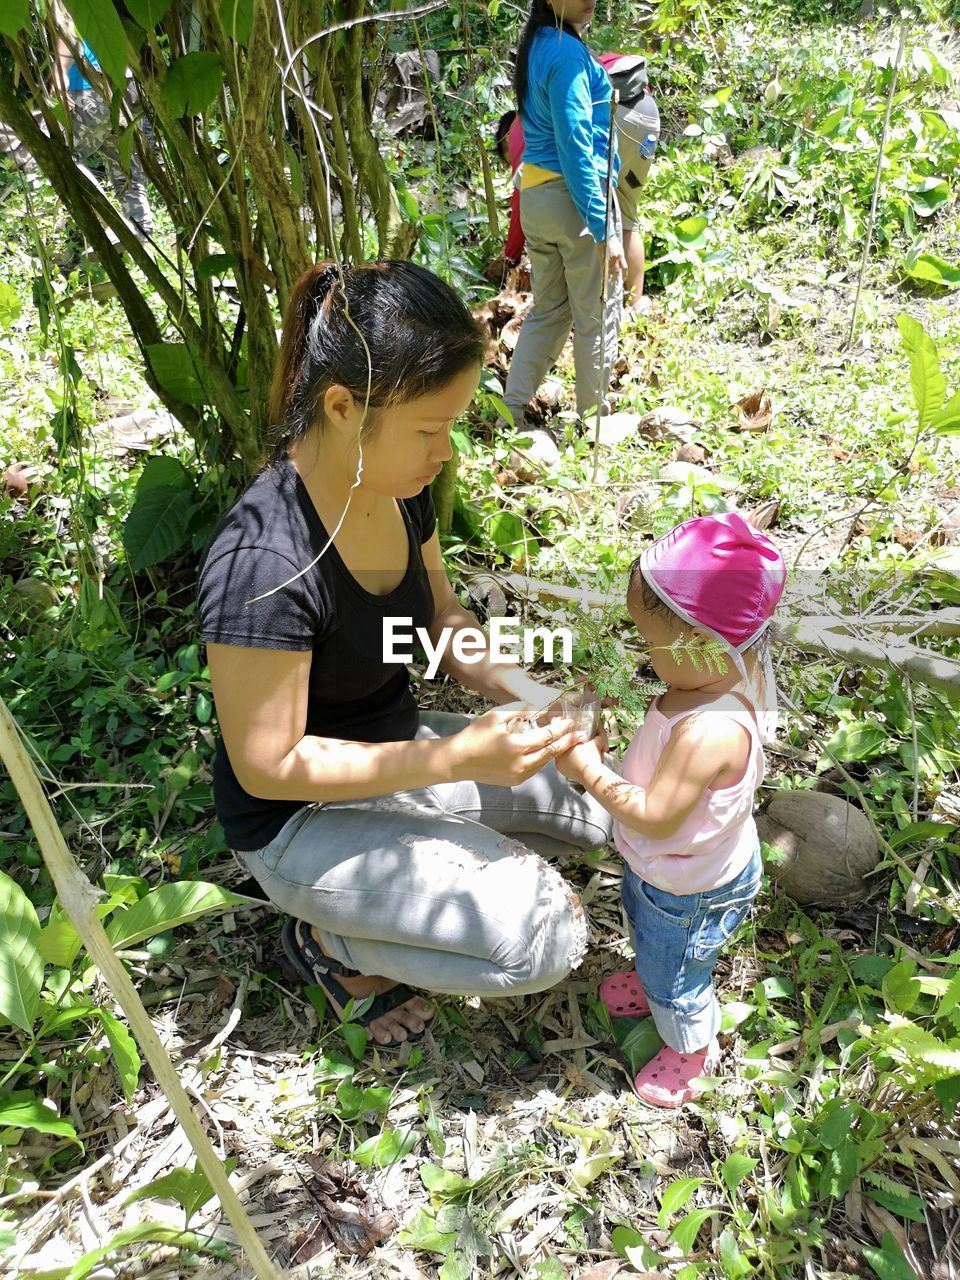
column 717, row 840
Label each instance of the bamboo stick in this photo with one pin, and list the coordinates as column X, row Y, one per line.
column 79, row 899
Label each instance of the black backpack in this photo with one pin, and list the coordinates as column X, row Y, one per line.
column 629, row 78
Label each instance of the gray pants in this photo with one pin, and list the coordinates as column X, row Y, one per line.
column 567, row 270
column 92, row 135
column 425, row 886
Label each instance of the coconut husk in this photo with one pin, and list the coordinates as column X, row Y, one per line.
column 755, row 411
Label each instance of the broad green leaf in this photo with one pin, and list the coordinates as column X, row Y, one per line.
column 732, row 1260
column 835, row 1128
column 422, row 1233
column 124, row 1050
column 914, row 832
column 950, row 998
column 840, row 1167
column 385, row 1148
column 144, row 1231
column 10, row 303
column 21, row 965
column 24, row 1110
column 589, row 1167
column 97, row 23
column 193, row 82
column 349, row 1100
column 507, row 532
column 217, row 264
column 624, row 1238
column 147, row 13
column 158, row 525
column 926, row 377
column 175, row 371
column 735, row 1168
column 444, row 1182
column 685, row 1233
column 675, row 1196
column 637, row 1040
column 457, row 1266
column 691, row 231
column 164, row 473
column 167, row 907
column 900, row 990
column 190, row 1188
column 888, row 1261
column 928, row 266
column 357, row 1038
column 550, row 1269
column 14, row 16
column 908, row 1206
column 947, row 419
column 237, row 18
column 861, row 740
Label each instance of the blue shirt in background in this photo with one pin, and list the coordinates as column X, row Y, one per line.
column 76, row 81
column 566, row 120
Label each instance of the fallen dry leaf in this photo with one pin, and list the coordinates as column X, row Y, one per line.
column 347, row 1213
column 765, row 515
column 755, row 410
column 602, row 1271
column 690, row 453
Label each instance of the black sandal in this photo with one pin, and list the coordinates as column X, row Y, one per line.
column 303, row 952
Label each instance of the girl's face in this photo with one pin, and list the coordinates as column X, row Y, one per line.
column 659, row 634
column 576, row 12
column 410, row 442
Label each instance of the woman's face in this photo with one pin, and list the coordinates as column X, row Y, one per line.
column 576, row 12
column 411, row 441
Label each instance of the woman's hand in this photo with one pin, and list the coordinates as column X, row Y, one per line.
column 579, row 760
column 489, row 751
column 615, row 256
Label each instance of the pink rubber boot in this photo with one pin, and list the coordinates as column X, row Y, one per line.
column 668, row 1079
column 624, row 996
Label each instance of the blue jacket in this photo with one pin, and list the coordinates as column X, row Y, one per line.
column 566, row 120
column 76, row 80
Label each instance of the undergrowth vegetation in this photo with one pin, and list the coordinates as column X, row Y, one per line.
column 511, row 1145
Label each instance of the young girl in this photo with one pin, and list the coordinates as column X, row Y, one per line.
column 705, row 591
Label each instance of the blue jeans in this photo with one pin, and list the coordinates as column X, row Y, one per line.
column 676, row 940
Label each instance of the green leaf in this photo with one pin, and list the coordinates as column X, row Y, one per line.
column 888, row 1261
column 192, row 83
column 685, row 1233
column 507, row 532
column 143, row 1231
column 190, row 1188
column 839, row 1170
column 624, row 1238
column 385, row 1148
column 124, row 1050
column 914, row 832
column 422, row 1233
column 148, row 13
column 732, row 1260
column 674, row 1197
column 860, row 740
column 216, row 264
column 164, row 473
column 926, row 377
column 14, row 16
column 835, row 1128
column 947, row 420
column 10, row 304
column 735, row 1168
column 900, row 989
column 237, row 18
column 927, row 266
column 175, row 371
column 444, row 1182
column 21, row 965
column 98, row 24
column 691, row 231
column 550, row 1269
column 357, row 1038
column 637, row 1040
column 24, row 1110
column 158, row 525
column 908, row 1206
column 167, row 907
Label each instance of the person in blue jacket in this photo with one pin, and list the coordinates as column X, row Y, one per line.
column 563, row 94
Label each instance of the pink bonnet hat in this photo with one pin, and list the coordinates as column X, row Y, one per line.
column 719, row 573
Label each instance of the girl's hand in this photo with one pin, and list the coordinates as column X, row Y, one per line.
column 579, row 760
column 488, row 751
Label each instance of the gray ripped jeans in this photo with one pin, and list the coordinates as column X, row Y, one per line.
column 428, row 887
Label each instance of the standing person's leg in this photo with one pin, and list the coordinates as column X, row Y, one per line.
column 547, row 324
column 92, row 134
column 594, row 325
column 635, row 126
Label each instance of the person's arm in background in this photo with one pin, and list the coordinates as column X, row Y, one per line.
column 513, row 249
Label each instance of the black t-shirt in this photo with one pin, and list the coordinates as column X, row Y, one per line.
column 263, row 543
